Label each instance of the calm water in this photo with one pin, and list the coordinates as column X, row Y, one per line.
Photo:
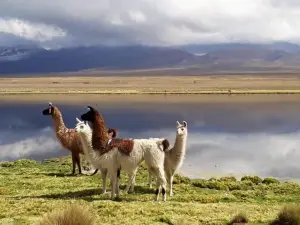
column 226, row 136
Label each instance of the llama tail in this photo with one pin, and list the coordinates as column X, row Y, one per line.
column 165, row 143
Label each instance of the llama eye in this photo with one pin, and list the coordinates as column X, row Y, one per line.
column 81, row 127
column 182, row 129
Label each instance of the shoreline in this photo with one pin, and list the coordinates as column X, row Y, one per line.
column 137, row 92
column 158, row 85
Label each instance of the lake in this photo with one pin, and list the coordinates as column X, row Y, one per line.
column 228, row 134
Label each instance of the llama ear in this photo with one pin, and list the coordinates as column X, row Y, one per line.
column 90, row 108
column 50, row 104
column 178, row 124
column 184, row 123
column 78, row 120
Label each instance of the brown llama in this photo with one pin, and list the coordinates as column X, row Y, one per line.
column 68, row 138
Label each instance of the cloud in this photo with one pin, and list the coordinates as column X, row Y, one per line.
column 220, row 154
column 208, row 153
column 163, row 22
column 36, row 144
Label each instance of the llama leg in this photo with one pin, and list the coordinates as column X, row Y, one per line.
column 157, row 191
column 161, row 179
column 170, row 180
column 149, row 178
column 118, row 183
column 77, row 158
column 113, row 182
column 128, row 184
column 103, row 175
column 73, row 163
column 132, row 181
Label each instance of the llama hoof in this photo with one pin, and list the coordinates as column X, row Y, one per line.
column 171, row 194
column 103, row 192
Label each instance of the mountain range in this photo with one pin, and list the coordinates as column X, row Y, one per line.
column 185, row 59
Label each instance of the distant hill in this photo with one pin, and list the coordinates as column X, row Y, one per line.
column 190, row 58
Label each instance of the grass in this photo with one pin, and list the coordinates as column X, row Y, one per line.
column 30, row 189
column 137, row 85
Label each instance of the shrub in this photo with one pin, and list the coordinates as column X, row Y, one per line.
column 253, row 179
column 270, row 180
column 238, row 219
column 225, row 184
column 228, row 179
column 72, row 215
column 178, row 179
column 289, row 215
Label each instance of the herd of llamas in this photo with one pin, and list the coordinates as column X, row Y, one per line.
column 105, row 151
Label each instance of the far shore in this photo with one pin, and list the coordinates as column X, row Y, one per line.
column 143, row 85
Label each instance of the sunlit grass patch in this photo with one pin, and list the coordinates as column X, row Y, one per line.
column 29, row 189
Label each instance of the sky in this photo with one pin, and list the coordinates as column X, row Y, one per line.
column 147, row 22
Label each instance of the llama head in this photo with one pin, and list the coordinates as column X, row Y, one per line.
column 90, row 115
column 82, row 126
column 112, row 132
column 50, row 110
column 181, row 128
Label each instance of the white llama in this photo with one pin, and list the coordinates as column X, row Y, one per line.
column 85, row 134
column 175, row 156
column 126, row 154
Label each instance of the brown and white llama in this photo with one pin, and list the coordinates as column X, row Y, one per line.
column 85, row 133
column 68, row 138
column 174, row 157
column 126, row 154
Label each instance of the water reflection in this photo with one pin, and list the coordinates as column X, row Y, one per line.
column 233, row 138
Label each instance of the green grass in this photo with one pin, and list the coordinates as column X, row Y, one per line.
column 29, row 189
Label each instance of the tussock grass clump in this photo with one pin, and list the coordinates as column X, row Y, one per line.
column 254, row 179
column 72, row 215
column 238, row 219
column 226, row 184
column 178, row 179
column 19, row 163
column 270, row 180
column 289, row 215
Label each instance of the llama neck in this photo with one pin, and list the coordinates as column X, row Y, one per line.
column 180, row 142
column 86, row 140
column 99, row 135
column 59, row 124
column 177, row 153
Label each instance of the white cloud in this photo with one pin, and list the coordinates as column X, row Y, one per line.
column 208, row 154
column 31, row 31
column 219, row 154
column 152, row 22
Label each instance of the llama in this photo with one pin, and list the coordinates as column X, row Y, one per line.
column 126, row 154
column 175, row 156
column 85, row 133
column 67, row 138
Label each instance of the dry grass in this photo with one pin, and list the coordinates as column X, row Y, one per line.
column 289, row 215
column 73, row 215
column 219, row 84
column 239, row 219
